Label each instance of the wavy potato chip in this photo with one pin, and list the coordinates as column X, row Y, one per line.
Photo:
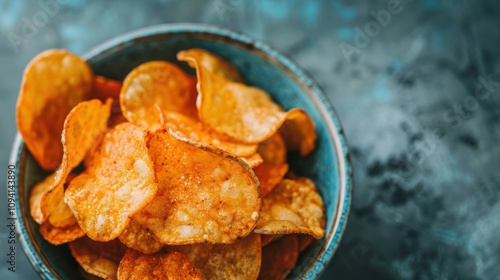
column 140, row 240
column 197, row 131
column 118, row 183
column 204, row 195
column 253, row 160
column 270, row 175
column 82, row 127
column 279, row 258
column 246, row 114
column 298, row 132
column 157, row 84
column 304, row 241
column 266, row 239
column 105, row 88
column 60, row 235
column 292, row 207
column 211, row 62
column 273, row 150
column 169, row 265
column 240, row 260
column 98, row 258
column 53, row 83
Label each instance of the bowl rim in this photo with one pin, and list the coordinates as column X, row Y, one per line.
column 319, row 98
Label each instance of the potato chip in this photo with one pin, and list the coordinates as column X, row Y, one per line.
column 119, row 182
column 82, row 127
column 240, row 260
column 298, row 132
column 53, row 83
column 246, row 114
column 140, row 240
column 169, row 265
column 105, row 88
column 198, row 132
column 60, row 235
column 62, row 216
column 253, row 160
column 266, row 239
column 204, row 195
column 213, row 63
column 270, row 175
column 292, row 207
column 279, row 258
column 273, row 150
column 157, row 83
column 98, row 258
column 304, row 241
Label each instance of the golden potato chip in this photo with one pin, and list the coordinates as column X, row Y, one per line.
column 204, row 195
column 292, row 207
column 36, row 197
column 62, row 216
column 246, row 114
column 198, row 132
column 119, row 182
column 169, row 265
column 83, row 125
column 140, row 240
column 298, row 132
column 157, row 83
column 53, row 83
column 253, row 160
column 279, row 258
column 273, row 150
column 240, row 260
column 270, row 175
column 60, row 235
column 105, row 88
column 304, row 241
column 266, row 239
column 211, row 62
column 98, row 258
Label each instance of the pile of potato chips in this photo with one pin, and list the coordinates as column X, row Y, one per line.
column 183, row 177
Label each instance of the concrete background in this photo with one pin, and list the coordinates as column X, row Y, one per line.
column 413, row 83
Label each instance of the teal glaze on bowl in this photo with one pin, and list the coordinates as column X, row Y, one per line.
column 329, row 165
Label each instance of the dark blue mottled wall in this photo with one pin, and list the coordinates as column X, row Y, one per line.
column 416, row 85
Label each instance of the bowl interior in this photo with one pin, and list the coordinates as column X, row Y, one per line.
column 260, row 66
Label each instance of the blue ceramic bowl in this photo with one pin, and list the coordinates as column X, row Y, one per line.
column 261, row 66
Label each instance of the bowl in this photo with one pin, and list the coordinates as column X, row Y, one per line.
column 261, row 66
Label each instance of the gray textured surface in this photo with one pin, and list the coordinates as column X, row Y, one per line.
column 421, row 118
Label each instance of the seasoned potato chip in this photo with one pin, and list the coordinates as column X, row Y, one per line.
column 211, row 62
column 60, row 235
column 298, row 132
column 253, row 160
column 204, row 195
column 98, row 258
column 245, row 113
column 240, row 260
column 62, row 216
column 53, row 83
column 140, row 240
column 270, row 175
column 36, row 197
column 279, row 258
column 273, row 150
column 198, row 132
column 158, row 83
column 266, row 239
column 304, row 241
column 105, row 88
column 82, row 127
column 292, row 207
column 119, row 182
column 169, row 265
